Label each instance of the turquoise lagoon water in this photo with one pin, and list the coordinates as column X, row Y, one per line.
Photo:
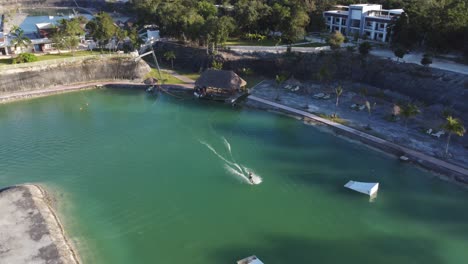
column 136, row 182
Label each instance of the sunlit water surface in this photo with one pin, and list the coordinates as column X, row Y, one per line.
column 145, row 180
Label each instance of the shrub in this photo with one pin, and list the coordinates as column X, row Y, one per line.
column 426, row 59
column 217, row 65
column 351, row 48
column 24, row 58
column 364, row 48
column 257, row 37
column 335, row 40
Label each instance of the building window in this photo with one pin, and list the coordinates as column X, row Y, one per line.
column 343, row 22
column 382, row 25
column 329, row 18
column 380, row 35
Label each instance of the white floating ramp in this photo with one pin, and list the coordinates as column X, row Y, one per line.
column 250, row 260
column 369, row 188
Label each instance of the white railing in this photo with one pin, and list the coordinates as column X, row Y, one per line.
column 59, row 61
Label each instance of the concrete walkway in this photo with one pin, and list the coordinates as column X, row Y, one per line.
column 30, row 232
column 461, row 174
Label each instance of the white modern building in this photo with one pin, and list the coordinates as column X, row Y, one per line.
column 362, row 19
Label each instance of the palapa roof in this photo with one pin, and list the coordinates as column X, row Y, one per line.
column 228, row 80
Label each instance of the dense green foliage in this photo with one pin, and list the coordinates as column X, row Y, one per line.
column 439, row 25
column 103, row 29
column 68, row 33
column 25, row 57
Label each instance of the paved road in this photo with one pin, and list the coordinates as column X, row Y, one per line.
column 275, row 49
column 415, row 57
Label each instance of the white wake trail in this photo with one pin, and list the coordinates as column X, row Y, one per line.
column 236, row 173
column 228, row 146
column 217, row 154
column 241, row 171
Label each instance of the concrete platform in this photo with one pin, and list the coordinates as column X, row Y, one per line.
column 30, row 232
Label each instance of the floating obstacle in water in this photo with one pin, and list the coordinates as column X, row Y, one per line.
column 250, row 260
column 369, row 188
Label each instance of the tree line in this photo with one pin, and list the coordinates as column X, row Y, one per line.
column 436, row 25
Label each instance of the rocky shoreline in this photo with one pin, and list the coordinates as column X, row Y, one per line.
column 30, row 230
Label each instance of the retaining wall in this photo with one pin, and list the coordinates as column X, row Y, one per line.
column 40, row 76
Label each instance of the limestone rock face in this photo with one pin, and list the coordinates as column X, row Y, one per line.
column 85, row 70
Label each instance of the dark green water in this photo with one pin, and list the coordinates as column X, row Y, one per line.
column 135, row 185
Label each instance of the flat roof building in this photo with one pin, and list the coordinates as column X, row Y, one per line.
column 362, row 19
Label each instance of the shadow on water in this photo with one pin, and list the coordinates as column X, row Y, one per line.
column 406, row 191
column 383, row 250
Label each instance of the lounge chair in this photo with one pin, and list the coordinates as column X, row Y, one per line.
column 438, row 134
column 318, row 96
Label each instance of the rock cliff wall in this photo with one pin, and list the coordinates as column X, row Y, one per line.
column 429, row 86
column 85, row 70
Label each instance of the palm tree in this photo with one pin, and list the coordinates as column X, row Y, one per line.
column 339, row 92
column 370, row 108
column 170, row 55
column 453, row 126
column 279, row 79
column 409, row 111
column 18, row 38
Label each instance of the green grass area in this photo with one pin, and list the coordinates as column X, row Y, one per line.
column 66, row 55
column 167, row 78
column 6, row 61
column 335, row 119
column 194, row 76
column 54, row 56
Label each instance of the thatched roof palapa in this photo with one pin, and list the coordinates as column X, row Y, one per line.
column 227, row 80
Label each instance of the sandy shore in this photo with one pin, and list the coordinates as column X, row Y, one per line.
column 30, row 231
